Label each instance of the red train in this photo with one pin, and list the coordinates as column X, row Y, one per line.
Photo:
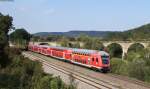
column 90, row 58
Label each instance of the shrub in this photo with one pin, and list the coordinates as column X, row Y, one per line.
column 119, row 66
column 136, row 69
column 132, row 56
column 23, row 73
column 147, row 74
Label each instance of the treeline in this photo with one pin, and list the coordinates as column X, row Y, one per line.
column 81, row 41
column 18, row 72
column 138, row 34
column 74, row 33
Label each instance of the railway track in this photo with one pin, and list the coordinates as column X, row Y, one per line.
column 97, row 84
column 130, row 80
column 111, row 80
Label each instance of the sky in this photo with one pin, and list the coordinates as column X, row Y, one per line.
column 86, row 15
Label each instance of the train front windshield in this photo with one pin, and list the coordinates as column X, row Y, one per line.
column 105, row 59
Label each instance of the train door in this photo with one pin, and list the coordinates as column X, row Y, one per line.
column 96, row 61
column 93, row 60
column 49, row 51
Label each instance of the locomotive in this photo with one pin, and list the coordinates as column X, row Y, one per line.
column 89, row 58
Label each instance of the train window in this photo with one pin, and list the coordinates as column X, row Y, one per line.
column 105, row 59
column 105, row 56
column 92, row 59
column 80, row 61
column 96, row 59
column 85, row 61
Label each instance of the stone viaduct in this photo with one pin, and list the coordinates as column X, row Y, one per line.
column 125, row 45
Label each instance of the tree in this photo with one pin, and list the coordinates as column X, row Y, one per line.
column 20, row 37
column 5, row 27
column 64, row 42
column 97, row 44
column 76, row 45
column 54, row 37
column 35, row 38
column 93, row 43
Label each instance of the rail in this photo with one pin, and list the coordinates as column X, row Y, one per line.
column 76, row 75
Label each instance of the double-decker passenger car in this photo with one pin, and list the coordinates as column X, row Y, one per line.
column 90, row 58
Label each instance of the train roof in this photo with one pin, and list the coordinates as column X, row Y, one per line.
column 103, row 53
column 60, row 48
column 86, row 51
column 83, row 51
column 77, row 50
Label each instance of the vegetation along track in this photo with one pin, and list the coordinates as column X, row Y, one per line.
column 77, row 75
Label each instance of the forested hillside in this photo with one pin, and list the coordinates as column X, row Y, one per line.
column 140, row 33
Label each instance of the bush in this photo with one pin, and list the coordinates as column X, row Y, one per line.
column 136, row 65
column 119, row 66
column 132, row 56
column 147, row 74
column 136, row 69
column 23, row 73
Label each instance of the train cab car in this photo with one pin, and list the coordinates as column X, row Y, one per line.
column 82, row 57
column 105, row 58
column 91, row 58
column 100, row 60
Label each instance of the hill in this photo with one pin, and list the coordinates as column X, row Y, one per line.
column 75, row 33
column 139, row 33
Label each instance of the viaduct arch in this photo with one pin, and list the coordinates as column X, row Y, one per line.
column 125, row 45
